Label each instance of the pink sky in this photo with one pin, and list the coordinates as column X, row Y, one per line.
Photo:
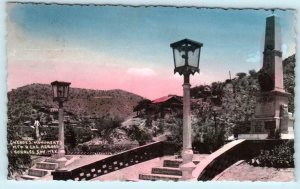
column 32, row 60
column 124, row 48
column 142, row 81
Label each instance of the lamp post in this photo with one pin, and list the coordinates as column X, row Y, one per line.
column 60, row 91
column 186, row 54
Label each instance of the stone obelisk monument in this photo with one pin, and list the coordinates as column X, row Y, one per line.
column 270, row 118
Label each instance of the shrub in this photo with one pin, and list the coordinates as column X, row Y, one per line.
column 85, row 148
column 140, row 134
column 279, row 157
column 175, row 133
column 106, row 127
column 71, row 138
column 16, row 163
column 208, row 138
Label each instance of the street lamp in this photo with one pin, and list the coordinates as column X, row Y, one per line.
column 186, row 54
column 60, row 91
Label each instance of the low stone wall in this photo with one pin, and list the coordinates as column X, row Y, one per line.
column 114, row 162
column 130, row 173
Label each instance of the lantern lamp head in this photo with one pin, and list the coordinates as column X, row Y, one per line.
column 186, row 54
column 60, row 90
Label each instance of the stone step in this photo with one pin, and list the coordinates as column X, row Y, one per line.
column 47, row 165
column 51, row 160
column 290, row 130
column 28, row 177
column 154, row 177
column 175, row 163
column 37, row 172
column 167, row 171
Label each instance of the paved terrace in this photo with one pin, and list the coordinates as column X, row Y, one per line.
column 132, row 173
column 84, row 160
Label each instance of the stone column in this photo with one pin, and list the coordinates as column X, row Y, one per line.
column 61, row 159
column 61, row 136
column 187, row 165
column 272, row 61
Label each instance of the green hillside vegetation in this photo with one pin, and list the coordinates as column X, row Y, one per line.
column 89, row 114
column 30, row 99
column 235, row 99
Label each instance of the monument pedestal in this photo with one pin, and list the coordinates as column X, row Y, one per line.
column 267, row 118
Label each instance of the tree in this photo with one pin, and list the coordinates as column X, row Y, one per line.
column 207, row 138
column 289, row 79
column 71, row 137
column 217, row 93
column 201, row 91
column 106, row 126
column 241, row 75
column 142, row 105
column 175, row 135
column 139, row 133
column 253, row 73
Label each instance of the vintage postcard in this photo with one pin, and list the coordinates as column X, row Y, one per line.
column 159, row 93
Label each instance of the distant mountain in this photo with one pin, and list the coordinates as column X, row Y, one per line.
column 25, row 101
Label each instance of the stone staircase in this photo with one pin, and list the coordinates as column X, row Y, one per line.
column 40, row 170
column 168, row 172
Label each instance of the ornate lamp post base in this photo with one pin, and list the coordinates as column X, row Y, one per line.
column 60, row 159
column 61, row 162
column 187, row 165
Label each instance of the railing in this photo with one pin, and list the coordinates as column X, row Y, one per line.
column 104, row 149
column 242, row 150
column 205, row 170
column 115, row 162
column 88, row 153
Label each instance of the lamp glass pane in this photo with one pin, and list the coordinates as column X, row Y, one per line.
column 54, row 88
column 60, row 91
column 179, row 55
column 66, row 89
column 193, row 57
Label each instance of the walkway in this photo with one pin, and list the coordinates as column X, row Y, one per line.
column 132, row 173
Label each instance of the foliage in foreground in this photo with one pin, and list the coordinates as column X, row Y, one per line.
column 279, row 157
column 16, row 163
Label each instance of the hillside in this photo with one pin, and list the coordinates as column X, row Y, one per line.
column 236, row 98
column 30, row 99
